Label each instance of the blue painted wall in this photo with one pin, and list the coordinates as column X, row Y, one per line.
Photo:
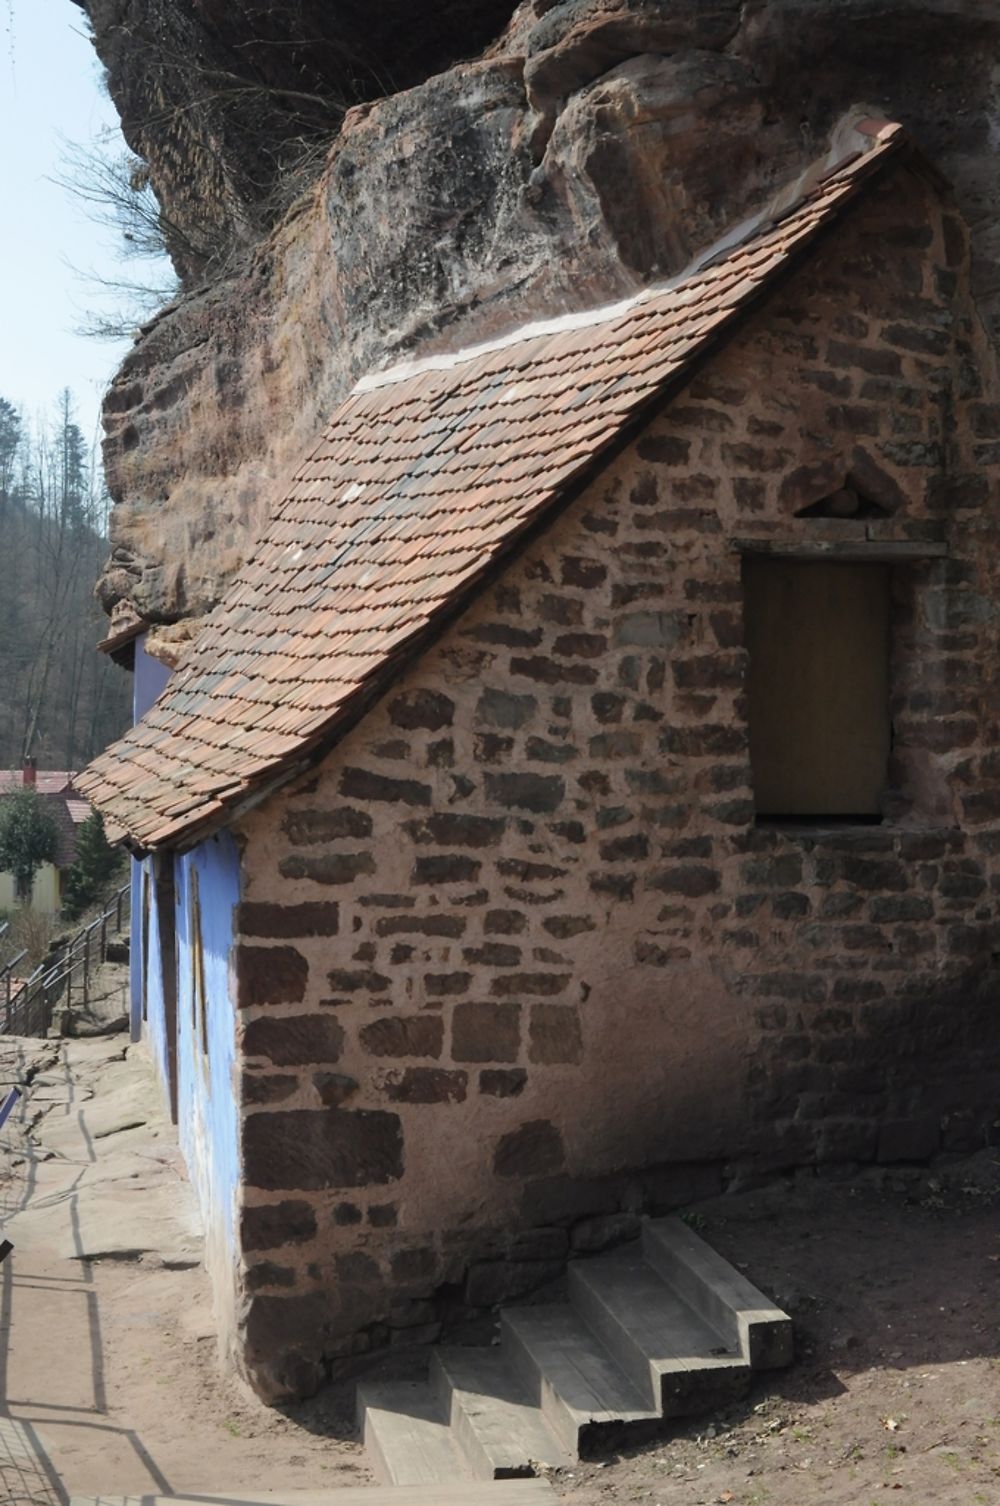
column 149, row 679
column 208, row 1122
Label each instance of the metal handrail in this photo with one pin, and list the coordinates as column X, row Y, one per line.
column 29, row 1011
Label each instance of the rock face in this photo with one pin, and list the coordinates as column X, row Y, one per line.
column 595, row 146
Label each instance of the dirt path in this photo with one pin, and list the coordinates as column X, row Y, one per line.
column 107, row 1353
column 894, row 1284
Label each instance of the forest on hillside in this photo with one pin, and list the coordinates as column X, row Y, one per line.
column 60, row 700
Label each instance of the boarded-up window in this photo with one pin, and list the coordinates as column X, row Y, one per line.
column 818, row 639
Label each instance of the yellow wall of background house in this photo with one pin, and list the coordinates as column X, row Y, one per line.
column 45, row 893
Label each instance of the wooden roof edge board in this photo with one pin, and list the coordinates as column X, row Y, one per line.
column 450, row 608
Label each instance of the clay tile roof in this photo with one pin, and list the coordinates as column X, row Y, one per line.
column 425, row 476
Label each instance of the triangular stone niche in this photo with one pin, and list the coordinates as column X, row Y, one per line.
column 848, row 501
column 845, row 487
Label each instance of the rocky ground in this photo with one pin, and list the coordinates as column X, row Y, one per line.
column 107, row 1361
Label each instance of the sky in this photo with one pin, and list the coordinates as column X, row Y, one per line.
column 51, row 93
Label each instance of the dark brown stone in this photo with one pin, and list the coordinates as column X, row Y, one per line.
column 665, row 449
column 486, row 1032
column 270, row 975
column 316, row 1149
column 505, row 634
column 580, row 645
column 404, row 1035
column 625, row 849
column 575, row 571
column 422, row 708
column 427, row 1085
column 446, row 868
column 690, row 879
column 533, row 1150
column 363, row 784
column 877, row 361
column 345, row 980
column 415, row 1264
column 346, row 1214
column 553, row 671
column 492, row 954
column 439, row 985
column 304, row 828
column 529, row 792
column 269, row 1088
column 295, row 1042
column 267, row 1273
column 566, row 926
column 420, row 925
column 502, row 1082
column 501, row 708
column 334, row 1088
column 328, row 867
column 554, row 1034
column 321, row 918
column 544, row 984
column 267, row 1226
column 504, row 922
column 448, row 829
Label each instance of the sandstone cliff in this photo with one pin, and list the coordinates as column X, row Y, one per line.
column 587, row 147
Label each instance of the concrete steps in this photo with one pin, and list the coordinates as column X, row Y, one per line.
column 659, row 1329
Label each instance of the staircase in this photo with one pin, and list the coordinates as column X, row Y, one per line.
column 659, row 1329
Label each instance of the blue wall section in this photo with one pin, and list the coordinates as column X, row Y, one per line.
column 149, row 678
column 207, row 1111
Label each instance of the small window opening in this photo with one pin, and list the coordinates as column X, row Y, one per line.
column 817, row 634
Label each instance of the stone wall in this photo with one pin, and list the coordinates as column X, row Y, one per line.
column 515, row 961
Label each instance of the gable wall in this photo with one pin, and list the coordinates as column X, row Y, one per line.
column 515, row 961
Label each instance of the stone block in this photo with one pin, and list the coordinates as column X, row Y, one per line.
column 554, row 1035
column 364, row 784
column 307, row 1150
column 502, row 1083
column 427, row 1085
column 533, row 1150
column 327, row 867
column 268, row 1226
column 296, row 1041
column 446, row 868
column 321, row 918
column 486, row 1032
column 428, row 709
column 270, row 975
column 404, row 1035
column 304, row 828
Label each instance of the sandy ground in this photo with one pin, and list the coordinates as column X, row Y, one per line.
column 110, row 1382
column 108, row 1368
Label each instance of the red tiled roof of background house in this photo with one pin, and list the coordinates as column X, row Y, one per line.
column 46, row 781
column 423, row 479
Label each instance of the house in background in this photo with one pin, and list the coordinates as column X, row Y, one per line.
column 586, row 797
column 68, row 809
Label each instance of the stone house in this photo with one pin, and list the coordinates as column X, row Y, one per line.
column 586, row 797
